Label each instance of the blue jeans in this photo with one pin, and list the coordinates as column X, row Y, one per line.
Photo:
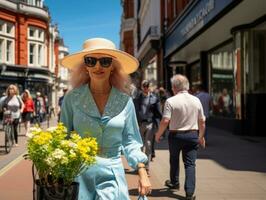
column 188, row 143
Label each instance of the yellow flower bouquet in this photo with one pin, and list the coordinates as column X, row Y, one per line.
column 59, row 157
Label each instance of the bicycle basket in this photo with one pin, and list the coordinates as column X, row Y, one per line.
column 7, row 117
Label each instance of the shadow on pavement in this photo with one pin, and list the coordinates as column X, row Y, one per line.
column 234, row 152
column 2, row 150
column 231, row 151
column 161, row 192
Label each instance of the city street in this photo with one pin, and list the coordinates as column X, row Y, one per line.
column 231, row 167
column 181, row 60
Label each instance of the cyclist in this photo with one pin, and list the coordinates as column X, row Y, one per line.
column 15, row 105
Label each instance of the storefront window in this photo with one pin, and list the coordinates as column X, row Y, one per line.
column 8, row 51
column 41, row 87
column 151, row 72
column 36, row 44
column 222, row 81
column 1, row 49
column 257, row 62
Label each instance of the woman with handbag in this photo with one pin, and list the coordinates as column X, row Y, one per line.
column 14, row 104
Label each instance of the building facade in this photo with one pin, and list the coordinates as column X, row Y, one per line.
column 29, row 47
column 216, row 45
column 127, row 29
column 141, row 28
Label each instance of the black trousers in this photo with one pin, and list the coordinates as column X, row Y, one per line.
column 15, row 128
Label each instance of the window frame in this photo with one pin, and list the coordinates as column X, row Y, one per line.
column 37, row 58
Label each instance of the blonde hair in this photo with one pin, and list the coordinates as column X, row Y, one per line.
column 118, row 78
column 12, row 87
column 28, row 93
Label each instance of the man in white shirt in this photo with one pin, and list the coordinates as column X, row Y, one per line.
column 185, row 117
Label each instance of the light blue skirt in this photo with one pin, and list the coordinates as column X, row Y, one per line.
column 104, row 181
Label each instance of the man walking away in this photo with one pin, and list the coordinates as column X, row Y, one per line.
column 184, row 114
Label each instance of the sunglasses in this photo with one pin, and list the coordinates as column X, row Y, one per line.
column 92, row 61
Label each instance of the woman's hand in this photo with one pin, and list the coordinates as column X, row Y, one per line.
column 144, row 183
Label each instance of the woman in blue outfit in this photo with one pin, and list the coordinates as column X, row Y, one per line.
column 100, row 106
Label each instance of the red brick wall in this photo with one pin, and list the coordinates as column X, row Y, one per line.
column 6, row 15
column 21, row 33
column 56, row 51
column 128, row 8
column 170, row 13
column 22, row 41
column 36, row 22
column 179, row 7
column 129, row 42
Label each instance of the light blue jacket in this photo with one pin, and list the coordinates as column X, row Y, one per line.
column 116, row 130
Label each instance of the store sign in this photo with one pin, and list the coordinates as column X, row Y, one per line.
column 40, row 76
column 196, row 17
column 197, row 21
column 13, row 74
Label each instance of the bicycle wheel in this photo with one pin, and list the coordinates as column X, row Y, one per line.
column 8, row 139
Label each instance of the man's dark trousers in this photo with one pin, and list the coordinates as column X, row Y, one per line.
column 188, row 143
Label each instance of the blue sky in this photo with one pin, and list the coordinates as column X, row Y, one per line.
column 79, row 20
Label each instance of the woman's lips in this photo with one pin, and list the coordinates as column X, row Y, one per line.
column 98, row 73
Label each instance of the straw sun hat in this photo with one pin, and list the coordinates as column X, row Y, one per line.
column 101, row 46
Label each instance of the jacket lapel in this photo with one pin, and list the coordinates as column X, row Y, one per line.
column 84, row 102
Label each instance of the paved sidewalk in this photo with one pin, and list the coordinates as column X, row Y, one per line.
column 230, row 168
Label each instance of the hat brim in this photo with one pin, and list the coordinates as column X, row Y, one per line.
column 128, row 63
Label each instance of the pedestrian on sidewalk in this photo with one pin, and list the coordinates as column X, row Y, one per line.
column 149, row 114
column 60, row 102
column 39, row 108
column 15, row 106
column 206, row 102
column 102, row 108
column 28, row 110
column 184, row 114
column 2, row 98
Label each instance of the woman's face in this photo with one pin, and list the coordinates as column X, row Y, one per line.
column 99, row 66
column 12, row 91
column 25, row 95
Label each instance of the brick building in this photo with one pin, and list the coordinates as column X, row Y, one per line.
column 29, row 47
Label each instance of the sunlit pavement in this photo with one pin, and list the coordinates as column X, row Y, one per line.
column 231, row 167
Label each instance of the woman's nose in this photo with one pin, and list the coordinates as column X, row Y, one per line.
column 97, row 66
